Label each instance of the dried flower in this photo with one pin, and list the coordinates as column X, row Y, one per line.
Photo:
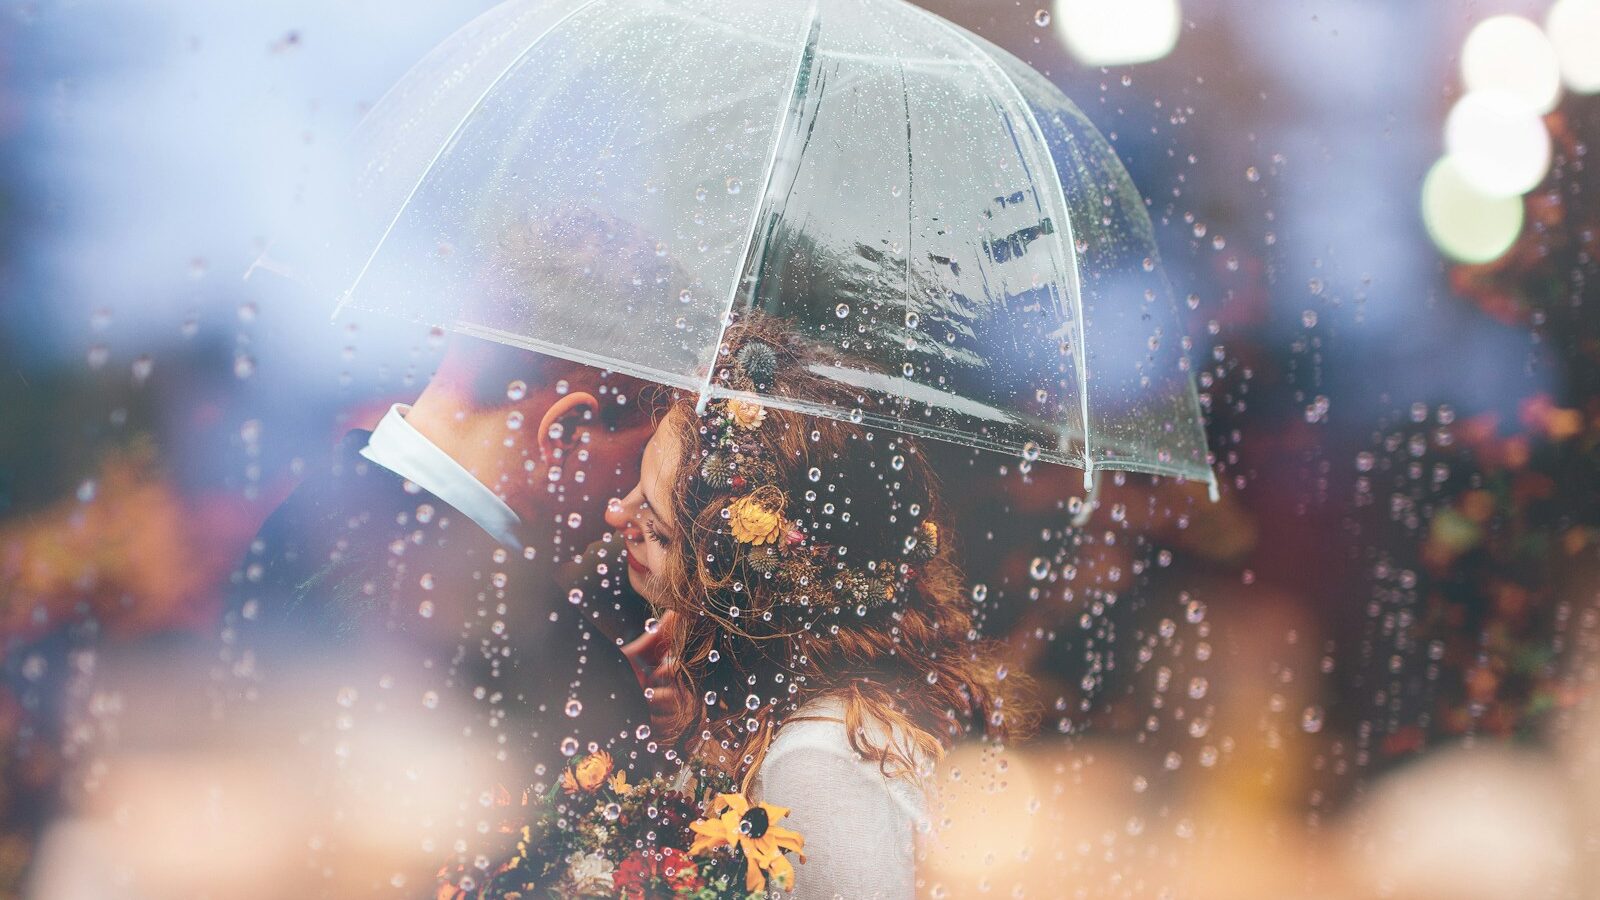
column 746, row 414
column 757, row 518
column 717, row 471
column 758, row 362
column 591, row 875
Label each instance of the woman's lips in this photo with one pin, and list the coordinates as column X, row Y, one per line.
column 636, row 566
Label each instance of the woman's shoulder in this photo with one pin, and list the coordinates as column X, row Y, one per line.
column 812, row 749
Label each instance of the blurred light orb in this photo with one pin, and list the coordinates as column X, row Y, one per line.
column 1500, row 144
column 1118, row 34
column 1465, row 223
column 1470, row 825
column 1574, row 29
column 1513, row 55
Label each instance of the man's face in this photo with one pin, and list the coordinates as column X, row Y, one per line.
column 591, row 453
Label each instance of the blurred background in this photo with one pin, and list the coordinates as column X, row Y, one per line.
column 1369, row 670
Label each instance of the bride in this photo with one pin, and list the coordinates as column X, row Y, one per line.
column 814, row 637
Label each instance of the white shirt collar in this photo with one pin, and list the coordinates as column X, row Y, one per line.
column 405, row 451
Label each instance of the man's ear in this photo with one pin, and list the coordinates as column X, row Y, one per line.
column 562, row 424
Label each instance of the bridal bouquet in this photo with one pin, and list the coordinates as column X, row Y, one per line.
column 600, row 836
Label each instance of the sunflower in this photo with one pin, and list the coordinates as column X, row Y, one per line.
column 751, row 829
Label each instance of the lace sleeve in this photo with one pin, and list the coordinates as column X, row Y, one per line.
column 859, row 826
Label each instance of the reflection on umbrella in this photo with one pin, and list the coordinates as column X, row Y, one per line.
column 939, row 219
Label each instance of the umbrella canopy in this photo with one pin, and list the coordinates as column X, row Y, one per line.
column 613, row 181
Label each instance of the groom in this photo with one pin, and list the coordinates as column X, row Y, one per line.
column 419, row 568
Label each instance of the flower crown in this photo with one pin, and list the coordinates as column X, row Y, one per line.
column 733, row 460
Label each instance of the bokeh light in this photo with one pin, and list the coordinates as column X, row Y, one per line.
column 1513, row 55
column 1574, row 28
column 1500, row 145
column 1467, row 224
column 1119, row 34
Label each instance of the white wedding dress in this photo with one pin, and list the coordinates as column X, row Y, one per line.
column 860, row 826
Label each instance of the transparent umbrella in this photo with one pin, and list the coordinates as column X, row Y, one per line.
column 613, row 181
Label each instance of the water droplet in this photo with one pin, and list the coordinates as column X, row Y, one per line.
column 842, row 310
column 514, row 421
column 1039, row 569
column 1041, row 18
column 569, row 746
column 425, row 609
column 1311, row 719
column 516, row 390
column 980, row 592
column 735, row 185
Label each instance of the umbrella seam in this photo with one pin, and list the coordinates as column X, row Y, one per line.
column 455, row 132
column 1075, row 290
column 807, row 45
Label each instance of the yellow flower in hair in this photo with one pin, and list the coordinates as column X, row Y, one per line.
column 747, row 414
column 619, row 782
column 754, row 521
column 754, row 830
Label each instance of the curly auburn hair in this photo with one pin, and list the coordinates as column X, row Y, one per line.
column 758, row 646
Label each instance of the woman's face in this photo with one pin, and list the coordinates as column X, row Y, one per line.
column 644, row 517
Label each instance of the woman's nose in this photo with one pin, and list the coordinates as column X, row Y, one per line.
column 619, row 512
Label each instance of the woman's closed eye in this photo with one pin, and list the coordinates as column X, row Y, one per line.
column 654, row 535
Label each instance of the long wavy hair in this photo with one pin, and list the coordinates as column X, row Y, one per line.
column 910, row 670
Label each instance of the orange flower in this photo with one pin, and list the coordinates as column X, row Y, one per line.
column 588, row 774
column 754, row 521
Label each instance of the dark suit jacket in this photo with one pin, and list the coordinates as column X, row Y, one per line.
column 381, row 603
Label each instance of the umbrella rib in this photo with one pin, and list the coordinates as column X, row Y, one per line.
column 1074, row 290
column 448, row 141
column 808, row 48
column 911, row 184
